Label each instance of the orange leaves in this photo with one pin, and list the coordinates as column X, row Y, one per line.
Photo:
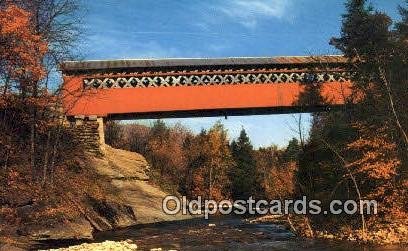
column 211, row 160
column 21, row 50
column 376, row 162
column 377, row 155
column 198, row 186
column 13, row 20
column 276, row 173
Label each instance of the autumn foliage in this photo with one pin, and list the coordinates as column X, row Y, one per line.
column 361, row 151
column 41, row 168
column 21, row 50
column 358, row 152
column 209, row 164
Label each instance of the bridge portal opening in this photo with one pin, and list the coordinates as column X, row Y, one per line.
column 263, row 130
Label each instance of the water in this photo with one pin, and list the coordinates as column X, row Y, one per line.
column 229, row 233
column 220, row 233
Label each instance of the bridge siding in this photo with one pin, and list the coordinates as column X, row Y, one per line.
column 133, row 101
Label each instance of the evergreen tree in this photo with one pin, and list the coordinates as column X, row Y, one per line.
column 362, row 152
column 379, row 56
column 292, row 150
column 243, row 175
column 159, row 130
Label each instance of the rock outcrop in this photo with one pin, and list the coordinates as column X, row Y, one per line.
column 132, row 200
column 128, row 172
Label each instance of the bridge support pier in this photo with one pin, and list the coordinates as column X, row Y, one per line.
column 89, row 132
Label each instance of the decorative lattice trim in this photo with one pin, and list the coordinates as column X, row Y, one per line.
column 204, row 78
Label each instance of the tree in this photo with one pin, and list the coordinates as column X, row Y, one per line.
column 210, row 162
column 275, row 171
column 135, row 138
column 292, row 151
column 35, row 37
column 40, row 164
column 361, row 152
column 165, row 152
column 379, row 55
column 57, row 22
column 243, row 176
column 113, row 134
column 402, row 27
column 21, row 51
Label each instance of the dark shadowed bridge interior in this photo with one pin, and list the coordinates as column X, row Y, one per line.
column 130, row 89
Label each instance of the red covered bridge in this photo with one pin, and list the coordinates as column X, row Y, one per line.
column 129, row 89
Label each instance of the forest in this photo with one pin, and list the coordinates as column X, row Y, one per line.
column 357, row 152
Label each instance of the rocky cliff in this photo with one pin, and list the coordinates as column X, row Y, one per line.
column 131, row 200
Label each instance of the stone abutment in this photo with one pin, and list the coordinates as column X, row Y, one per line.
column 88, row 131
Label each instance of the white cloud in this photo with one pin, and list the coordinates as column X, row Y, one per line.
column 248, row 13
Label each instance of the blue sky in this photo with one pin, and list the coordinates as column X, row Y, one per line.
column 117, row 29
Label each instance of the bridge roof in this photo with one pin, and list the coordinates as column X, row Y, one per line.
column 199, row 62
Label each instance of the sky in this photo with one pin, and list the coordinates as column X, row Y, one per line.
column 128, row 29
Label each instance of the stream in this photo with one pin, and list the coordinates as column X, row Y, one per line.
column 224, row 233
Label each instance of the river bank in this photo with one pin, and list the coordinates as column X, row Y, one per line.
column 381, row 234
column 396, row 233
